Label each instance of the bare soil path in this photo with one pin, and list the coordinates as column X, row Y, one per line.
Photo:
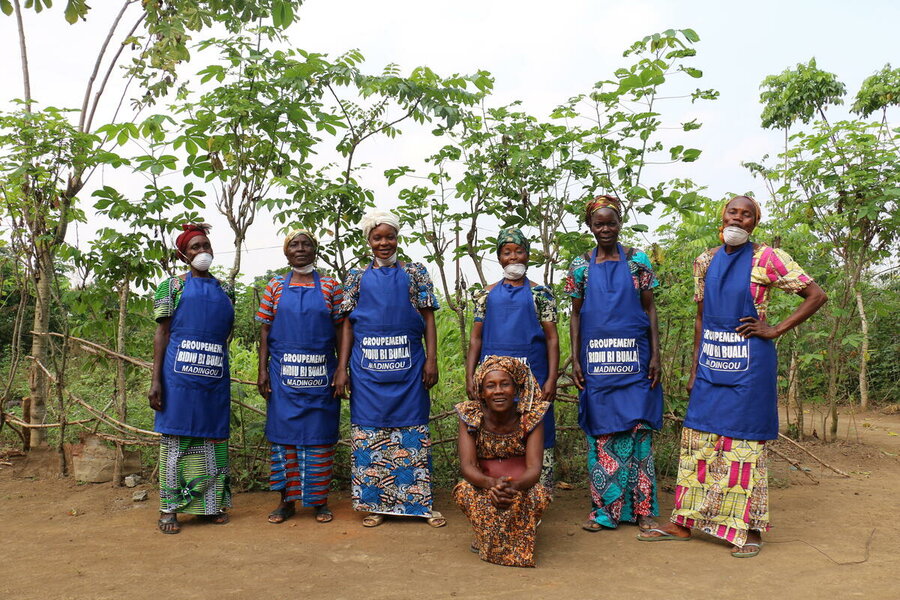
column 836, row 540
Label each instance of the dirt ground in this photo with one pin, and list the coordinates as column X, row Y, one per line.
column 836, row 539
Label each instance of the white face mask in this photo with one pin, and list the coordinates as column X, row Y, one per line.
column 514, row 271
column 202, row 261
column 386, row 262
column 304, row 270
column 735, row 236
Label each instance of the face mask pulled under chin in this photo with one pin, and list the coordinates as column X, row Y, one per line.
column 304, row 270
column 202, row 261
column 514, row 271
column 735, row 236
column 386, row 262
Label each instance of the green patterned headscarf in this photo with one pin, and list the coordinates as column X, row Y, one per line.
column 512, row 235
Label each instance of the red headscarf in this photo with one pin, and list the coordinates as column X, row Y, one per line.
column 191, row 231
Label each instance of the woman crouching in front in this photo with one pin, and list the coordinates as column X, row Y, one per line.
column 501, row 447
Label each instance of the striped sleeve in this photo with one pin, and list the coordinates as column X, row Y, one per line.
column 334, row 297
column 776, row 268
column 269, row 302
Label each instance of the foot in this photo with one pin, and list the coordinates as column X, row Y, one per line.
column 591, row 525
column 168, row 523
column 281, row 514
column 373, row 520
column 645, row 522
column 750, row 548
column 324, row 514
column 669, row 531
column 436, row 519
column 216, row 519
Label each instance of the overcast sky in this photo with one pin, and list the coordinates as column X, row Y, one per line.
column 539, row 52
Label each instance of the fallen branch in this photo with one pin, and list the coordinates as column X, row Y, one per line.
column 781, row 436
column 15, row 421
column 796, row 464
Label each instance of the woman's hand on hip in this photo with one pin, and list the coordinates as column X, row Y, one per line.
column 756, row 327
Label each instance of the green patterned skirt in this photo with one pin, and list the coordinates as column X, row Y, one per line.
column 193, row 475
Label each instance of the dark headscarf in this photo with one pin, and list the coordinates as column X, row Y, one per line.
column 512, row 235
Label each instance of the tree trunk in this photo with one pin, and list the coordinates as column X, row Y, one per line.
column 41, row 325
column 121, row 394
column 863, row 353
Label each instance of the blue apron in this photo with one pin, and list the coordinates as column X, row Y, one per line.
column 511, row 328
column 387, row 358
column 302, row 409
column 615, row 353
column 195, row 376
column 735, row 390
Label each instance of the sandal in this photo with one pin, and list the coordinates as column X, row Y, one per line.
column 282, row 514
column 646, row 523
column 436, row 519
column 592, row 526
column 739, row 552
column 662, row 537
column 373, row 520
column 168, row 524
column 324, row 514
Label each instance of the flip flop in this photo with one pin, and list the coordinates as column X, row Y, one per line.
column 592, row 526
column 741, row 554
column 217, row 519
column 436, row 519
column 169, row 519
column 324, row 514
column 281, row 514
column 373, row 520
column 662, row 537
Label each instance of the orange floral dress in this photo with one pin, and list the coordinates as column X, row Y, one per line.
column 504, row 537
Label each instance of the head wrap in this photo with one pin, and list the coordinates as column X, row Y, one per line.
column 604, row 201
column 529, row 391
column 293, row 233
column 191, row 230
column 725, row 207
column 512, row 235
column 378, row 217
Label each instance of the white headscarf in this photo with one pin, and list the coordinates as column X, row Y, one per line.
column 378, row 217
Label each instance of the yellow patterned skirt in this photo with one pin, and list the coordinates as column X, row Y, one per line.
column 722, row 487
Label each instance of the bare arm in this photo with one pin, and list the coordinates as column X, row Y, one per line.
column 575, row 337
column 552, row 336
column 698, row 333
column 430, row 372
column 654, row 369
column 468, row 460
column 813, row 299
column 472, row 358
column 534, row 460
column 263, row 385
column 341, row 377
column 160, row 341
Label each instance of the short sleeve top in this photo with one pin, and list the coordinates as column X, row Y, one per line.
column 168, row 295
column 770, row 268
column 544, row 303
column 494, row 445
column 638, row 263
column 421, row 289
column 331, row 291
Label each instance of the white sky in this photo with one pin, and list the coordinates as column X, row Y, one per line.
column 539, row 52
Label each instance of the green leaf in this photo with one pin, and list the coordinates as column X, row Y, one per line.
column 690, row 35
column 6, row 7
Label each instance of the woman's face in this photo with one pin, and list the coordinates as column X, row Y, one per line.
column 740, row 212
column 498, row 391
column 383, row 241
column 511, row 254
column 198, row 245
column 301, row 251
column 605, row 225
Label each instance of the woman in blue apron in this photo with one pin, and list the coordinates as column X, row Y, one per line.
column 300, row 315
column 389, row 308
column 190, row 388
column 517, row 317
column 722, row 486
column 615, row 360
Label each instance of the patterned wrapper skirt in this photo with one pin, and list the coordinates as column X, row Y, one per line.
column 622, row 476
column 303, row 473
column 722, row 487
column 391, row 470
column 504, row 537
column 193, row 475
